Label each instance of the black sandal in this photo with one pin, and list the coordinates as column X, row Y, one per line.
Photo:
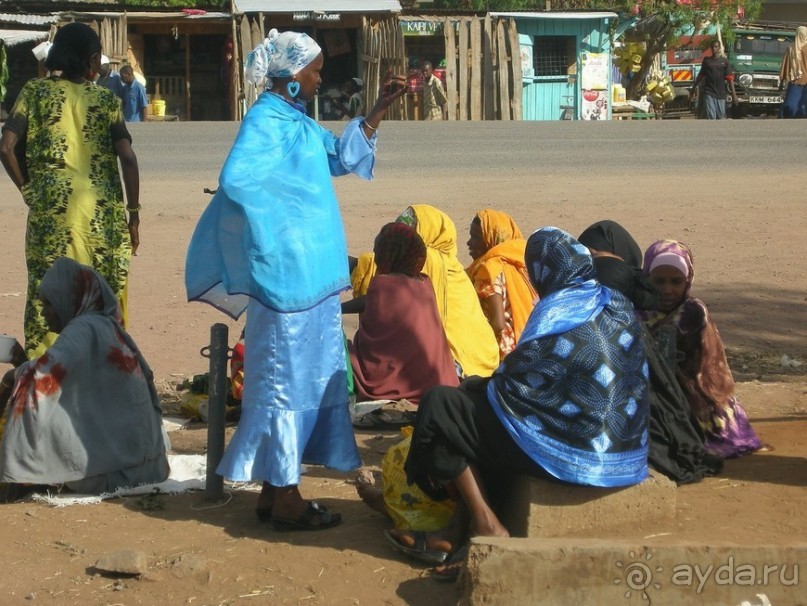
column 306, row 521
column 452, row 568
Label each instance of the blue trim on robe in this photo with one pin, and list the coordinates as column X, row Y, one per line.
column 273, row 231
column 530, row 401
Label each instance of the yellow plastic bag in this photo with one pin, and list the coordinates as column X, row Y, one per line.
column 408, row 506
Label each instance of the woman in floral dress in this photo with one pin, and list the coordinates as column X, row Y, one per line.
column 61, row 146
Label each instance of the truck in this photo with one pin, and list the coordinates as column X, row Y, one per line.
column 756, row 55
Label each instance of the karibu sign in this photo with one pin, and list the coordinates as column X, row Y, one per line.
column 421, row 28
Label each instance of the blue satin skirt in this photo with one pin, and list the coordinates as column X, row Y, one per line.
column 295, row 402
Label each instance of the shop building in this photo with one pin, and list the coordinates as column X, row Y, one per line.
column 566, row 68
column 359, row 39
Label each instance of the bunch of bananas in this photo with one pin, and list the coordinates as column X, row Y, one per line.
column 629, row 57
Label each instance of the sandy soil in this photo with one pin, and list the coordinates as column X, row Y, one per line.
column 228, row 557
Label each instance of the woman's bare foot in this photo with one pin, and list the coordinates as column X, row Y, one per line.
column 372, row 496
column 446, row 539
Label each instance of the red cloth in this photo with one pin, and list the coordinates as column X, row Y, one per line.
column 400, row 349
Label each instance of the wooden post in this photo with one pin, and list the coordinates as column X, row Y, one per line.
column 246, row 47
column 476, row 69
column 235, row 79
column 504, row 84
column 515, row 63
column 462, row 50
column 488, row 83
column 451, row 68
column 187, row 76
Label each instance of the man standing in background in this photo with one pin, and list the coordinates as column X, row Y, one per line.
column 715, row 74
column 108, row 78
column 434, row 97
column 134, row 96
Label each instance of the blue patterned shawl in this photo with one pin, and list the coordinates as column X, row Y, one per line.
column 273, row 230
column 573, row 394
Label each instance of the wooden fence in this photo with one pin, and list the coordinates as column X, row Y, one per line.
column 483, row 65
column 381, row 49
column 483, row 69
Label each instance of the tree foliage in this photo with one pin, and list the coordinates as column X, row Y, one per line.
column 3, row 71
column 659, row 23
column 482, row 5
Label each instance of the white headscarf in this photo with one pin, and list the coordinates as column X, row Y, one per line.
column 280, row 56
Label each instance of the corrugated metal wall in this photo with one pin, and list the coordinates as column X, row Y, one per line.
column 544, row 97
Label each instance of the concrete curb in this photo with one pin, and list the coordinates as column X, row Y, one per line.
column 578, row 572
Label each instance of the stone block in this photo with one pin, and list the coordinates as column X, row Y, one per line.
column 542, row 508
column 598, row 572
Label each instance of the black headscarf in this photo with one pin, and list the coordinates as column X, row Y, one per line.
column 623, row 274
column 73, row 45
column 610, row 236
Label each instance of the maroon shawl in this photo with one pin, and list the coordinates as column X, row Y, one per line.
column 400, row 349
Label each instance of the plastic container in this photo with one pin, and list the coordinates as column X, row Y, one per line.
column 158, row 105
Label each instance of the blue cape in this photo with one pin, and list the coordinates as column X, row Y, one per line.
column 273, row 230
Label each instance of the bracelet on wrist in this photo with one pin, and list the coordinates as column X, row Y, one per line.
column 134, row 209
column 370, row 127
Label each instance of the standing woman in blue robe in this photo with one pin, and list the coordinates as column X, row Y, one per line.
column 271, row 243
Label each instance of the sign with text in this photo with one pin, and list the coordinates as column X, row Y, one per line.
column 421, row 28
column 316, row 16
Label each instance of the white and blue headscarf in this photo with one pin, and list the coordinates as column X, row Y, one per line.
column 280, row 56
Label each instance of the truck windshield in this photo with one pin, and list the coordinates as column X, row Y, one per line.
column 761, row 45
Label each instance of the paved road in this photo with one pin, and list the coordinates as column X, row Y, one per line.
column 199, row 148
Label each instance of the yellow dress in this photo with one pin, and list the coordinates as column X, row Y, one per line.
column 73, row 189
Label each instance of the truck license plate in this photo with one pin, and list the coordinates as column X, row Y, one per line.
column 764, row 99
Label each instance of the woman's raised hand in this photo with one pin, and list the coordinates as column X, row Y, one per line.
column 392, row 87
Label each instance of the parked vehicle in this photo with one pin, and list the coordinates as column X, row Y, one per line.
column 756, row 56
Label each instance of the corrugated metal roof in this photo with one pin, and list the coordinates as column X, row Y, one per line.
column 326, row 6
column 24, row 19
column 145, row 16
column 559, row 15
column 11, row 37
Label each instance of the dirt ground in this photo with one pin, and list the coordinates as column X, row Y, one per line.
column 211, row 554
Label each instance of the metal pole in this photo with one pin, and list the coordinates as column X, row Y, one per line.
column 219, row 352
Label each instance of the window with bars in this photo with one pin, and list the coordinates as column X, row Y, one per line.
column 554, row 55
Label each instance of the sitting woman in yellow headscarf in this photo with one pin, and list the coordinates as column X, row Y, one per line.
column 469, row 335
column 500, row 276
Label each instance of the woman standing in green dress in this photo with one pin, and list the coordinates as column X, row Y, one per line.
column 61, row 146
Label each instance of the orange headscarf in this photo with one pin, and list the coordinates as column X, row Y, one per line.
column 505, row 256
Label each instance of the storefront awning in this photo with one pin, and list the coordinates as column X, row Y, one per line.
column 25, row 19
column 12, row 37
column 324, row 6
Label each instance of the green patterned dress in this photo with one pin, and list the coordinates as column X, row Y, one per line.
column 73, row 190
